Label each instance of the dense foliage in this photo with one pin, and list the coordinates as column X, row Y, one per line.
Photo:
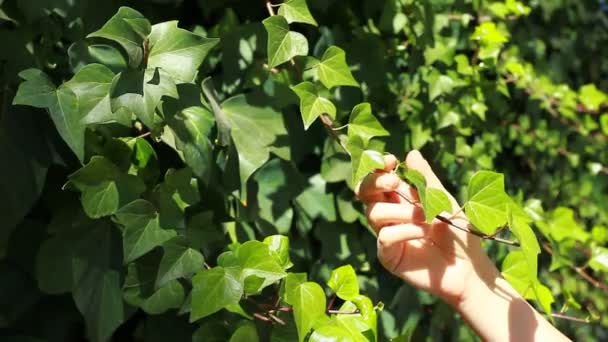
column 193, row 179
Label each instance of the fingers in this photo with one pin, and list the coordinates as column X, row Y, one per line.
column 390, row 162
column 392, row 235
column 377, row 183
column 414, row 160
column 382, row 214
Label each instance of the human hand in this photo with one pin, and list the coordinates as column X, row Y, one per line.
column 433, row 257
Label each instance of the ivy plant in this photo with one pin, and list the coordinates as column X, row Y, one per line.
column 188, row 174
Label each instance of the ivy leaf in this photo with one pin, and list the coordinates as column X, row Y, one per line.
column 129, row 28
column 91, row 85
column 434, row 201
column 176, row 193
column 96, row 281
column 333, row 70
column 343, row 280
column 214, row 289
column 177, row 51
column 104, row 187
column 591, row 97
column 364, row 124
column 83, row 53
column 255, row 130
column 179, row 260
column 141, row 91
column 139, row 289
column 245, row 332
column 274, row 211
column 260, row 268
column 308, row 302
column 515, row 270
column 527, row 240
column 486, row 206
column 599, row 259
column 38, row 91
column 283, row 44
column 296, row 11
column 279, row 245
column 331, row 332
column 488, row 33
column 142, row 231
column 312, row 105
column 363, row 161
column 189, row 125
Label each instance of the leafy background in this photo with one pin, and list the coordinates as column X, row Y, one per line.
column 476, row 85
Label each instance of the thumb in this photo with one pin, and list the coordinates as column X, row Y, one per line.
column 415, row 161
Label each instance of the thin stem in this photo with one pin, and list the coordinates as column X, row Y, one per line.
column 581, row 271
column 328, row 123
column 464, row 229
column 269, row 7
column 570, row 318
column 339, row 128
column 144, row 135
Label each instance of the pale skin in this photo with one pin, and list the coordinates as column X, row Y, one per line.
column 445, row 261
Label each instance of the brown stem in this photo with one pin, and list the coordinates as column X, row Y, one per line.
column 580, row 271
column 269, row 8
column 570, row 318
column 329, row 125
column 144, row 135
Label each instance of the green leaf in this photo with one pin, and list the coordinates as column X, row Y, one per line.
column 179, row 260
column 527, row 240
column 364, row 124
column 279, row 245
column 308, row 302
column 333, row 70
column 312, row 105
column 245, row 332
column 38, row 91
column 487, row 33
column 177, row 51
column 435, row 202
column 128, row 28
column 331, row 332
column 91, row 85
column 279, row 182
column 260, row 268
column 487, row 200
column 283, row 44
column 178, row 192
column 139, row 289
column 296, row 11
column 599, row 259
column 214, row 289
column 255, row 130
column 188, row 130
column 515, row 270
column 140, row 92
column 343, row 280
column 97, row 279
column 142, row 231
column 363, row 161
column 104, row 187
column 591, row 97
column 83, row 53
